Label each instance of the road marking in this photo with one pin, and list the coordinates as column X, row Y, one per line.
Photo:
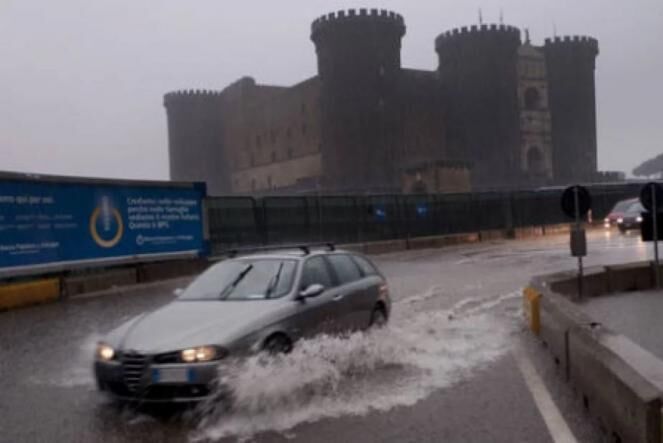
column 557, row 426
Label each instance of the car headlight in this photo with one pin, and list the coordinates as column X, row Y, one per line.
column 105, row 352
column 620, row 220
column 639, row 219
column 202, row 353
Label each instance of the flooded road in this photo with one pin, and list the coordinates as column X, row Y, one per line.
column 443, row 370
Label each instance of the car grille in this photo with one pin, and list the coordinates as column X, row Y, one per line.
column 170, row 357
column 133, row 369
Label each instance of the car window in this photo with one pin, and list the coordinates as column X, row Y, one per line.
column 316, row 271
column 366, row 267
column 346, row 269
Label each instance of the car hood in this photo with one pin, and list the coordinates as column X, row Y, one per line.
column 183, row 324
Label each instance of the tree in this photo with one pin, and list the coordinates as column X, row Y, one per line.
column 651, row 167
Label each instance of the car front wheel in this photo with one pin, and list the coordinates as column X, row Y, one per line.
column 278, row 344
column 378, row 318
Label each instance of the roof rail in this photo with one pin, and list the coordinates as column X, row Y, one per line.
column 304, row 247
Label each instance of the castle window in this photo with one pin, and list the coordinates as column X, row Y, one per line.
column 532, row 98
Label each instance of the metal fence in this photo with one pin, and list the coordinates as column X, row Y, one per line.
column 244, row 221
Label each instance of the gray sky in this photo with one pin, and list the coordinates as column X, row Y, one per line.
column 82, row 80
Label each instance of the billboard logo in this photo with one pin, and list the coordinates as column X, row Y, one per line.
column 106, row 226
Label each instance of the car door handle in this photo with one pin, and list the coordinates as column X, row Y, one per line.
column 339, row 297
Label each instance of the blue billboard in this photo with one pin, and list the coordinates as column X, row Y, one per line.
column 46, row 222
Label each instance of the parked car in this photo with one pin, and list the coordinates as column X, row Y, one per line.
column 242, row 305
column 618, row 212
column 632, row 217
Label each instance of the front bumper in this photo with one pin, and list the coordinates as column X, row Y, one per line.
column 627, row 225
column 146, row 386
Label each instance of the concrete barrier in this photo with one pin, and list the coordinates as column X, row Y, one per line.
column 527, row 231
column 625, row 402
column 494, row 234
column 620, row 383
column 563, row 228
column 99, row 281
column 17, row 295
column 630, row 277
column 384, row 246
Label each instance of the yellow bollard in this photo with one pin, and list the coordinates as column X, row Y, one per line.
column 531, row 303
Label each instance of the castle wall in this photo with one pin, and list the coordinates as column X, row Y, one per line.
column 510, row 114
column 422, row 120
column 276, row 128
column 570, row 63
column 436, row 177
column 535, row 121
column 478, row 75
column 195, row 142
column 359, row 66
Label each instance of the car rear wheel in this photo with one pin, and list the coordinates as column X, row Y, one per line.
column 278, row 344
column 378, row 318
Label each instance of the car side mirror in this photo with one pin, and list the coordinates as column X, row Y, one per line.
column 312, row 291
column 177, row 292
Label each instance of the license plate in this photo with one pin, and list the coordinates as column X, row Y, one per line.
column 170, row 375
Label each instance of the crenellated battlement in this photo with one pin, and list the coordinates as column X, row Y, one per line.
column 485, row 30
column 189, row 95
column 361, row 16
column 573, row 41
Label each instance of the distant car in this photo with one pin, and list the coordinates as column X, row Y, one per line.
column 239, row 306
column 632, row 217
column 618, row 212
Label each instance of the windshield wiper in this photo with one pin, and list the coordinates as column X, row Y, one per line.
column 228, row 289
column 273, row 282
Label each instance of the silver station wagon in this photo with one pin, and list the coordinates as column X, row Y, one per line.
column 246, row 304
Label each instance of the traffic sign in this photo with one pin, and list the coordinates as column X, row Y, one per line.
column 569, row 202
column 646, row 197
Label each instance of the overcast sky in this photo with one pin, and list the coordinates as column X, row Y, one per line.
column 82, row 80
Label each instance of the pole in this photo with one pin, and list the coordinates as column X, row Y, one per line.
column 657, row 273
column 580, row 267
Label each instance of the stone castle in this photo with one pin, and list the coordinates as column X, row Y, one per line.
column 499, row 112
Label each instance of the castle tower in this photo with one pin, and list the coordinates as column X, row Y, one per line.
column 359, row 65
column 195, row 139
column 478, row 73
column 570, row 62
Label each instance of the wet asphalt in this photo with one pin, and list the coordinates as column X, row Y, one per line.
column 47, row 392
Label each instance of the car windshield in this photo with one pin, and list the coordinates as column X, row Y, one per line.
column 635, row 208
column 245, row 279
column 622, row 206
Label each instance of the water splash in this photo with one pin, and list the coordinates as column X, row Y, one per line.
column 329, row 377
column 78, row 372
